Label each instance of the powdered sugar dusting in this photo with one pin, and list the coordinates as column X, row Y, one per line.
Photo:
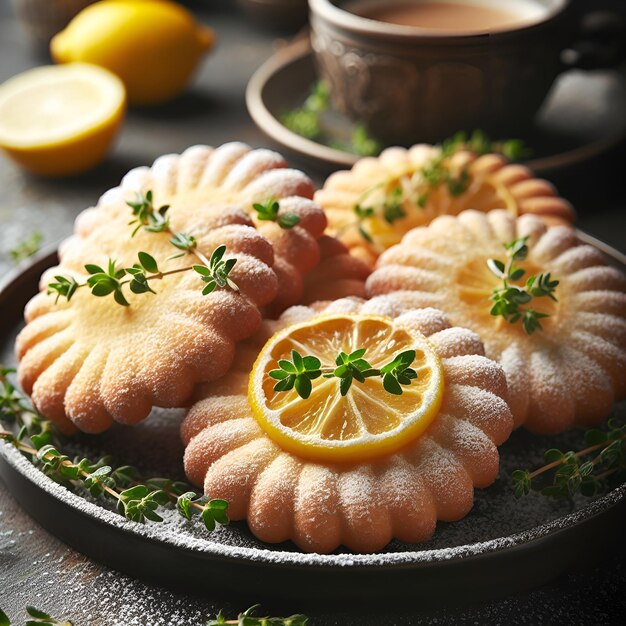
column 541, row 396
column 351, row 510
column 518, row 521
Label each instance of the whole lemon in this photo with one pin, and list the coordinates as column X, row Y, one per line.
column 152, row 45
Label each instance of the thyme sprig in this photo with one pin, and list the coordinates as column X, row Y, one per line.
column 391, row 199
column 510, row 299
column 269, row 211
column 26, row 247
column 248, row 619
column 306, row 121
column 411, row 189
column 588, row 471
column 137, row 500
column 147, row 216
column 213, row 271
column 298, row 372
column 113, row 279
column 215, row 274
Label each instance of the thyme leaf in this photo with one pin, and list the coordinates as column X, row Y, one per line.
column 147, row 216
column 269, row 211
column 215, row 274
column 183, row 241
column 26, row 247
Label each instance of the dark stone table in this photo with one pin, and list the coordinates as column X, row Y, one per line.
column 37, row 569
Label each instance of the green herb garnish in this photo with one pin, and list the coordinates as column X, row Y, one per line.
column 183, row 241
column 363, row 143
column 112, row 279
column 247, row 619
column 298, row 372
column 137, row 500
column 479, row 143
column 510, row 300
column 269, row 211
column 27, row 247
column 147, row 216
column 243, row 619
column 39, row 618
column 391, row 199
column 588, row 471
column 213, row 271
column 306, row 122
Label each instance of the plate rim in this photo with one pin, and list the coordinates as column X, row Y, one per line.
column 414, row 559
column 212, row 550
column 267, row 122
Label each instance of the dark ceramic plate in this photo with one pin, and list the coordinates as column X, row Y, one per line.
column 504, row 545
column 584, row 116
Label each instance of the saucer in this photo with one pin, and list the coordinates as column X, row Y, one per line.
column 583, row 116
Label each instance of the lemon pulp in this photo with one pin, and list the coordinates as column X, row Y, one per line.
column 60, row 120
column 482, row 192
column 366, row 423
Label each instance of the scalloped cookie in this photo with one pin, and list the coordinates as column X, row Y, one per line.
column 360, row 505
column 568, row 374
column 90, row 361
column 203, row 181
column 401, row 189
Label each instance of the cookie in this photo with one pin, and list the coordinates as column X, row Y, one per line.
column 90, row 361
column 360, row 504
column 371, row 206
column 567, row 373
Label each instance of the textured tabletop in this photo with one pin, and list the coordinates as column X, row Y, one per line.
column 35, row 568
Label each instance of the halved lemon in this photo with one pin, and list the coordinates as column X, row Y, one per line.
column 60, row 120
column 368, row 422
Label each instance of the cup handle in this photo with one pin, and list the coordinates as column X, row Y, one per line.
column 601, row 42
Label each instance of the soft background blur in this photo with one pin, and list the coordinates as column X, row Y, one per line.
column 211, row 111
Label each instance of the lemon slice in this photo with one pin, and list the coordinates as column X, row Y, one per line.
column 368, row 422
column 60, row 120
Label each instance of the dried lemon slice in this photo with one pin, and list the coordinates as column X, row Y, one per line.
column 368, row 421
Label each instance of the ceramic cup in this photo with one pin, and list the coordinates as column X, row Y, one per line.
column 409, row 84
